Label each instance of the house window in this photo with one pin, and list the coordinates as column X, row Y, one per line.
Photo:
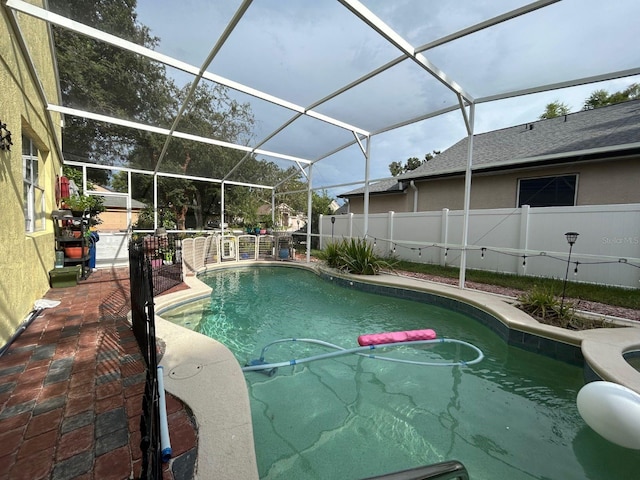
column 33, row 201
column 548, row 191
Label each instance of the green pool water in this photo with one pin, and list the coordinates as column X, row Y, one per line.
column 512, row 416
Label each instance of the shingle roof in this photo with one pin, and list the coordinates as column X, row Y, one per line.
column 612, row 126
column 121, row 202
column 615, row 127
column 385, row 186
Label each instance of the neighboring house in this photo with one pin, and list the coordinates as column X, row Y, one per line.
column 28, row 168
column 285, row 217
column 584, row 158
column 115, row 217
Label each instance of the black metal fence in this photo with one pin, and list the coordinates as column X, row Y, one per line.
column 164, row 253
column 143, row 324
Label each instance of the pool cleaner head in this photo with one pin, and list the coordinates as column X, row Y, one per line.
column 269, row 372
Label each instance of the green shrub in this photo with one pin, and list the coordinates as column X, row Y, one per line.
column 354, row 255
column 331, row 254
column 543, row 304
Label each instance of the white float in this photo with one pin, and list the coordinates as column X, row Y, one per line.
column 613, row 411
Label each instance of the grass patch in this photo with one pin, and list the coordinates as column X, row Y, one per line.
column 621, row 297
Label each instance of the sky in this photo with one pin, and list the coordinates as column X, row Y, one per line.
column 303, row 50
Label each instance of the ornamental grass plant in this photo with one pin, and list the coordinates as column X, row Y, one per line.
column 354, row 255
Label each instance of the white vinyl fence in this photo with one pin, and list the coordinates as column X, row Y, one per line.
column 524, row 241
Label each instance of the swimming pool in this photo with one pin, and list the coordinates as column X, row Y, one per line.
column 512, row 416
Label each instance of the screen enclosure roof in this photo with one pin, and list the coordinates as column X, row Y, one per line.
column 330, row 81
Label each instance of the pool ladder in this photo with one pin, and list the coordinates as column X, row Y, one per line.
column 451, row 470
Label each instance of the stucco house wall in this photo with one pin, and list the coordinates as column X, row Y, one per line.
column 599, row 183
column 27, row 257
column 395, row 202
column 607, row 182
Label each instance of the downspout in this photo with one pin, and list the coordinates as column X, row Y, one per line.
column 413, row 187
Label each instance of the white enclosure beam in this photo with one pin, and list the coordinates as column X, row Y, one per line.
column 467, row 199
column 362, row 148
column 309, row 212
column 558, row 85
column 155, row 202
column 165, row 131
column 24, row 49
column 273, row 208
column 368, row 17
column 367, row 166
column 196, row 81
column 222, row 208
column 465, row 117
column 486, row 24
column 64, row 22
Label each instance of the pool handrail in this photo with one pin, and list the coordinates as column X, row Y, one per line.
column 450, row 470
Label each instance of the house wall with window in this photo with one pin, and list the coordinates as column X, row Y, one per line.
column 27, row 170
column 606, row 182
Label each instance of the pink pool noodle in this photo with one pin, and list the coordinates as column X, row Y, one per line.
column 395, row 337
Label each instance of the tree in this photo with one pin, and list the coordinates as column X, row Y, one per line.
column 412, row 164
column 396, row 168
column 103, row 78
column 601, row 98
column 555, row 109
column 99, row 77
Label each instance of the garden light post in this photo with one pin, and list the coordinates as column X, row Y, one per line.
column 571, row 239
column 333, row 221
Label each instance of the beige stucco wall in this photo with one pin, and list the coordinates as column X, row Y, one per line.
column 394, row 202
column 599, row 183
column 26, row 258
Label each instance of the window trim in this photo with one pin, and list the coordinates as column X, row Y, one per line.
column 575, row 192
column 34, row 221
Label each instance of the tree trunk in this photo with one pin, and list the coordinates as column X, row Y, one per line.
column 197, row 209
column 181, row 217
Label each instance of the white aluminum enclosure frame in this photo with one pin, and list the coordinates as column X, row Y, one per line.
column 362, row 137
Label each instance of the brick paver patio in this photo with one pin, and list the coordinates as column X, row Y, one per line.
column 71, row 391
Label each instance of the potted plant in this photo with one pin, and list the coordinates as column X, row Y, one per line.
column 79, row 204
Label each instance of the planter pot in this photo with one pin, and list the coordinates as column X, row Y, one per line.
column 76, row 252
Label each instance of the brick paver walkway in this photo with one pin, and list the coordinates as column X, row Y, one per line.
column 71, row 391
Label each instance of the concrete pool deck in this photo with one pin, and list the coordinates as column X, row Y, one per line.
column 206, row 376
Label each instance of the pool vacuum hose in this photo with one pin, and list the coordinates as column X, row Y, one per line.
column 270, row 368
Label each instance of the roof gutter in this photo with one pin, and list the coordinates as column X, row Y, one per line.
column 560, row 156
